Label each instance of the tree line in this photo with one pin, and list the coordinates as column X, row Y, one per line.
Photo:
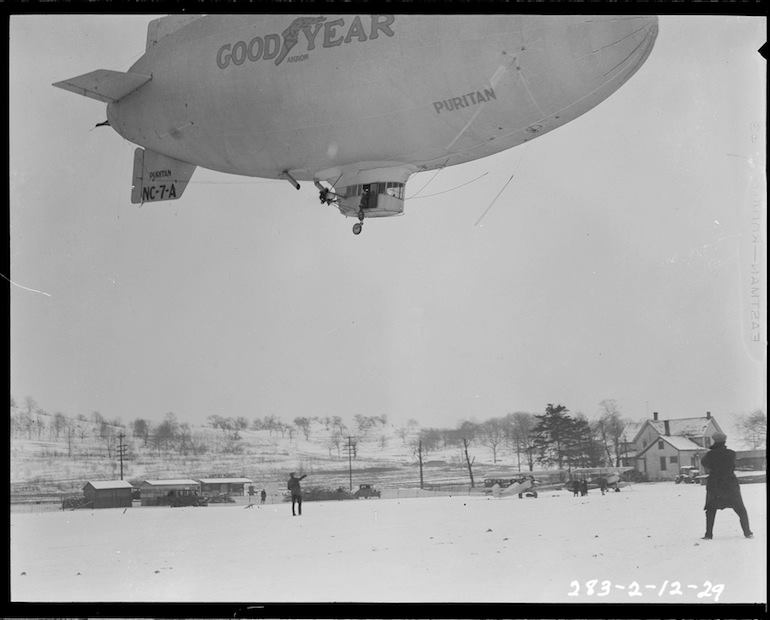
column 552, row 438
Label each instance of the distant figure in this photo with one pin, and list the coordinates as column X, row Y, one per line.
column 251, row 490
column 603, row 485
column 296, row 493
column 574, row 486
column 262, row 496
column 722, row 490
column 583, row 487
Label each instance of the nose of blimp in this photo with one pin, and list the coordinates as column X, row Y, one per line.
column 619, row 45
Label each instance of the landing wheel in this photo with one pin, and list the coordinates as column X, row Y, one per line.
column 357, row 228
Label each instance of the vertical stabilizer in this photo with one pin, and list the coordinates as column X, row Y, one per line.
column 158, row 177
column 164, row 26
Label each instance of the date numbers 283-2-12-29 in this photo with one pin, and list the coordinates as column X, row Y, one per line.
column 601, row 588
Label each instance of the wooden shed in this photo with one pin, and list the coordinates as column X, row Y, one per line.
column 108, row 493
column 160, row 492
column 223, row 486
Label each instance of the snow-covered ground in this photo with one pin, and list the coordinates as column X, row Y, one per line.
column 438, row 549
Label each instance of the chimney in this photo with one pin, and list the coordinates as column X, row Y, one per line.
column 655, row 415
column 708, row 415
column 666, row 427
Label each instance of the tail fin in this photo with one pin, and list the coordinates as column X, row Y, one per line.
column 164, row 26
column 104, row 85
column 158, row 177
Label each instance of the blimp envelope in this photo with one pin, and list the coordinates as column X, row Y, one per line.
column 158, row 177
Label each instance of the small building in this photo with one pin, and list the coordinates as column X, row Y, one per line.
column 108, row 493
column 663, row 446
column 751, row 460
column 223, row 486
column 160, row 492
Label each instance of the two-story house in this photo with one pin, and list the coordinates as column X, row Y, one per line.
column 663, row 446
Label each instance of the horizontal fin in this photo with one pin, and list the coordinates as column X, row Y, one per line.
column 164, row 26
column 158, row 177
column 104, row 85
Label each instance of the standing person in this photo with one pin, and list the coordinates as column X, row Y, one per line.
column 603, row 485
column 722, row 490
column 583, row 487
column 296, row 493
column 262, row 496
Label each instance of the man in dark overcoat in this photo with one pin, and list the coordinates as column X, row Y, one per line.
column 296, row 493
column 722, row 490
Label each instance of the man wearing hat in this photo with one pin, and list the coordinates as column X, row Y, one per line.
column 722, row 490
column 296, row 493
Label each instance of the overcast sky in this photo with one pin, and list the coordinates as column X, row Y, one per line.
column 616, row 264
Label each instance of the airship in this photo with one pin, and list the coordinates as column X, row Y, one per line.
column 354, row 103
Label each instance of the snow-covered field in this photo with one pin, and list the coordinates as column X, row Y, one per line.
column 438, row 549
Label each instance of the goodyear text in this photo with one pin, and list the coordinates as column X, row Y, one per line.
column 315, row 30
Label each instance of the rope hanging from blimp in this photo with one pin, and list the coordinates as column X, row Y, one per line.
column 491, row 204
column 429, row 180
column 494, row 200
column 446, row 191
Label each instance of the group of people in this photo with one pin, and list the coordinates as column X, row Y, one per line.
column 578, row 487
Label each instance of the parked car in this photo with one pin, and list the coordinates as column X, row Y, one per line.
column 175, row 500
column 366, row 491
column 687, row 474
column 318, row 494
column 221, row 498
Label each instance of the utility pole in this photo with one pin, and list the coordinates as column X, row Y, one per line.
column 468, row 461
column 350, row 462
column 419, row 454
column 121, row 453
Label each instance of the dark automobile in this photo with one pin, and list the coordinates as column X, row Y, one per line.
column 221, row 498
column 319, row 494
column 366, row 491
column 175, row 500
column 687, row 474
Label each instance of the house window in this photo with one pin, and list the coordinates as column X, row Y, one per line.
column 663, row 463
column 673, row 459
column 660, row 444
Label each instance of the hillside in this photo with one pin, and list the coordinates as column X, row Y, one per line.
column 385, row 457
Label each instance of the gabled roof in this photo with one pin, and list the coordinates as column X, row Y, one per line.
column 631, row 430
column 161, row 483
column 681, row 426
column 679, row 443
column 110, row 484
column 224, row 480
column 685, row 426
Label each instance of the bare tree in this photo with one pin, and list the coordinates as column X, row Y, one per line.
column 520, row 436
column 491, row 434
column 303, row 424
column 59, row 423
column 610, row 428
column 753, row 428
column 141, row 428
